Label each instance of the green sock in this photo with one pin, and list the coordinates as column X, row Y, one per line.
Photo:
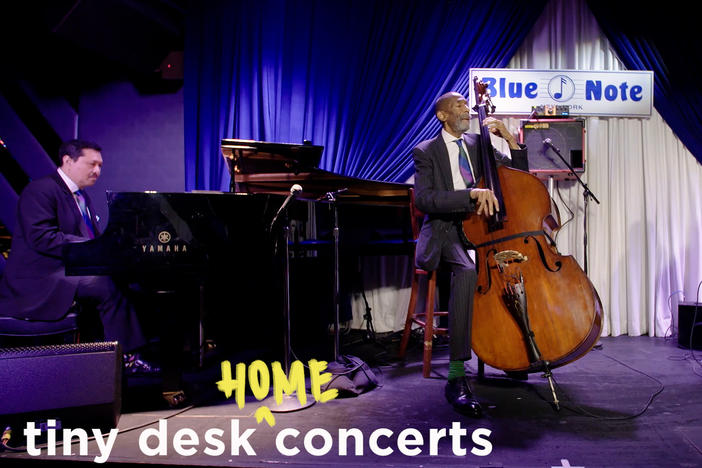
column 456, row 370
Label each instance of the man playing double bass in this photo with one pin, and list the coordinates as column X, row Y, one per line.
column 447, row 169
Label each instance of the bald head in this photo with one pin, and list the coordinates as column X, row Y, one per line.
column 452, row 111
column 444, row 102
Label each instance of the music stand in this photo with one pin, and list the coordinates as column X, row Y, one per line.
column 341, row 363
column 260, row 157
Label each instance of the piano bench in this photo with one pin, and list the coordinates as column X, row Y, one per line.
column 14, row 329
column 424, row 319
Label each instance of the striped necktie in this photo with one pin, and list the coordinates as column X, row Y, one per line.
column 84, row 211
column 464, row 164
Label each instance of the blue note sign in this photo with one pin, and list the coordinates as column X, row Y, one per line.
column 584, row 92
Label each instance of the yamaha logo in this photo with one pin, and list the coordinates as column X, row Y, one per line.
column 164, row 237
column 164, row 246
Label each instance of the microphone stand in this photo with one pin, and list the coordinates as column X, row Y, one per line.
column 587, row 194
column 289, row 402
column 341, row 364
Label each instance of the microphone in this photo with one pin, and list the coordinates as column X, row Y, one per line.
column 331, row 196
column 294, row 190
column 548, row 143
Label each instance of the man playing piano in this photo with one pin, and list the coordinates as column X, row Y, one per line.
column 51, row 212
column 446, row 170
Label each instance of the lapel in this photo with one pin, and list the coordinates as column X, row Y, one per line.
column 442, row 158
column 70, row 201
column 67, row 195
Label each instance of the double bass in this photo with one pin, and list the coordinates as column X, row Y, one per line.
column 534, row 309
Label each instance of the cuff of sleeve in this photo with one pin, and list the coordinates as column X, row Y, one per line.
column 471, row 202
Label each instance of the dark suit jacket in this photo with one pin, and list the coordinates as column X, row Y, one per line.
column 34, row 284
column 435, row 194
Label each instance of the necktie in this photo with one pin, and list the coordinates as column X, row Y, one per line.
column 84, row 211
column 464, row 165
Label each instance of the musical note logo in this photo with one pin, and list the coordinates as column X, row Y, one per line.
column 559, row 94
column 561, row 88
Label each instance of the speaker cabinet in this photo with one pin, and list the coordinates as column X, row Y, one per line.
column 79, row 385
column 686, row 316
column 568, row 135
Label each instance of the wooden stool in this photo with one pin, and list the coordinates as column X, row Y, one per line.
column 424, row 319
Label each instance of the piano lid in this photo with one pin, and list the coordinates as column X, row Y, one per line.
column 256, row 157
column 262, row 167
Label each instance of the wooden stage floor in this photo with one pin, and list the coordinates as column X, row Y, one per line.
column 601, row 395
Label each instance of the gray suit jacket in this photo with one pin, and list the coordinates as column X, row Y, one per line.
column 435, row 195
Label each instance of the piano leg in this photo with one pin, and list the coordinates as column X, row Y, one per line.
column 172, row 338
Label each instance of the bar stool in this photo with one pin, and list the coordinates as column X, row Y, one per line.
column 426, row 318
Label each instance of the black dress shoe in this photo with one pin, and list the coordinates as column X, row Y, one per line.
column 175, row 399
column 458, row 393
column 135, row 365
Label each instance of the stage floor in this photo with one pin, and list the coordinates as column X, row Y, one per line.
column 599, row 423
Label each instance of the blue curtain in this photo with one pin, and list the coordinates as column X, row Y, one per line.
column 357, row 77
column 667, row 42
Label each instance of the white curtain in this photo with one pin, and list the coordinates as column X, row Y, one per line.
column 644, row 237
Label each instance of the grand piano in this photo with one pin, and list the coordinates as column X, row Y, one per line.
column 221, row 247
